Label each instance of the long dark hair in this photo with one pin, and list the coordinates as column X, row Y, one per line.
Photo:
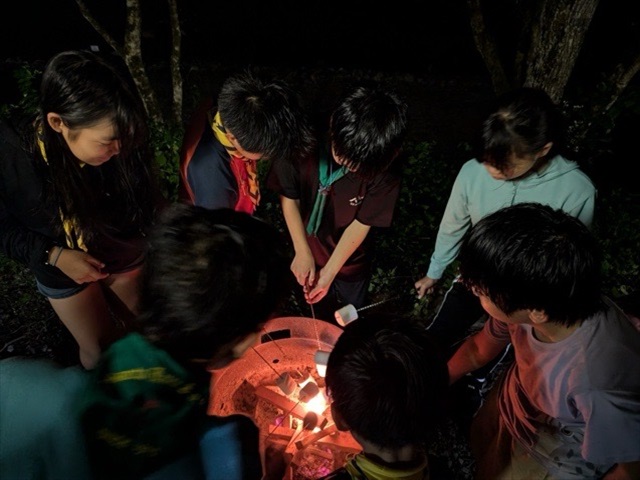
column 85, row 90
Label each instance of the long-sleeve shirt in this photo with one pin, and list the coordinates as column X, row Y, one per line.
column 475, row 194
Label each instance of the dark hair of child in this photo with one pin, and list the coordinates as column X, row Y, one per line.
column 530, row 256
column 387, row 381
column 523, row 122
column 239, row 277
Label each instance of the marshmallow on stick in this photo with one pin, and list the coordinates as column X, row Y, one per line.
column 346, row 314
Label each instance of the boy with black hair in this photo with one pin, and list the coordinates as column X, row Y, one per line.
column 387, row 381
column 333, row 198
column 251, row 119
column 569, row 406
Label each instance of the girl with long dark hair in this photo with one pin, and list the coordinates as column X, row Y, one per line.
column 78, row 195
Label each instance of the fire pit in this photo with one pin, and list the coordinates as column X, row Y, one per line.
column 254, row 386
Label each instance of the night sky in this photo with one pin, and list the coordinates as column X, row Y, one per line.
column 397, row 36
column 401, row 35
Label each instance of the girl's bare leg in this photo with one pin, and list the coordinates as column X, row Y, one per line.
column 122, row 291
column 86, row 316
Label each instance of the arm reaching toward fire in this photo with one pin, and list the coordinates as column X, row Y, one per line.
column 475, row 352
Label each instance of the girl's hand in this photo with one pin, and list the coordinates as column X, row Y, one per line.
column 425, row 285
column 80, row 266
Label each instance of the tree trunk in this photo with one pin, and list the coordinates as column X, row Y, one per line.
column 556, row 40
column 487, row 47
column 133, row 59
column 130, row 50
column 617, row 82
column 176, row 76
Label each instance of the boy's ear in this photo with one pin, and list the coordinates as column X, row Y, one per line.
column 339, row 421
column 538, row 317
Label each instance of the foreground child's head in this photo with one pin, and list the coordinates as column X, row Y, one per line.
column 386, row 380
column 530, row 256
column 367, row 130
column 212, row 278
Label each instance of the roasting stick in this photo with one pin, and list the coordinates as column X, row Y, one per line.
column 306, row 289
column 274, row 341
column 309, row 422
column 315, row 327
column 349, row 313
column 378, row 303
column 306, row 393
column 313, row 316
column 266, row 361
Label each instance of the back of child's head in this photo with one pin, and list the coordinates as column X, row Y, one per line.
column 211, row 277
column 368, row 128
column 387, row 380
column 523, row 122
column 531, row 256
column 266, row 117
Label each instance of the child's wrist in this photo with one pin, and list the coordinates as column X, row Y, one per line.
column 53, row 255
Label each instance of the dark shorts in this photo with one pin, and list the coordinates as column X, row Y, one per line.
column 60, row 293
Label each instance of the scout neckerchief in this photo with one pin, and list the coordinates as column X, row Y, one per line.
column 361, row 468
column 250, row 168
column 326, row 178
column 142, row 409
column 72, row 235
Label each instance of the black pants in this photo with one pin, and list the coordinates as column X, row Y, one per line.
column 459, row 310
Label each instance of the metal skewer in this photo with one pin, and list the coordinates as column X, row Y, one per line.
column 378, row 303
column 266, row 361
column 274, row 341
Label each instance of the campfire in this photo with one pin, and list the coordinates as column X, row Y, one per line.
column 278, row 385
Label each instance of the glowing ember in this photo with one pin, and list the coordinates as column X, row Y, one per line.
column 317, row 404
column 250, row 387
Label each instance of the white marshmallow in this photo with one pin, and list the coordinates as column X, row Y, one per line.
column 309, row 391
column 346, row 314
column 286, row 383
column 321, row 358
